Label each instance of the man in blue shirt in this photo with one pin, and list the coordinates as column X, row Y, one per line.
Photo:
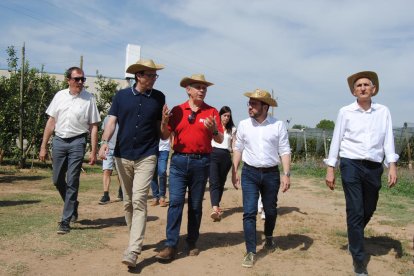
column 137, row 110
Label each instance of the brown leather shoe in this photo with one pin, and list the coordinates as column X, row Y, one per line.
column 163, row 202
column 167, row 254
column 192, row 250
column 155, row 202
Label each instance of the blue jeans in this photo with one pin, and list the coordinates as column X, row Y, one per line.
column 67, row 161
column 253, row 182
column 159, row 181
column 361, row 181
column 186, row 173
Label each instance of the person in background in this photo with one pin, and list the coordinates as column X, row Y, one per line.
column 193, row 124
column 138, row 112
column 108, row 166
column 159, row 181
column 220, row 162
column 73, row 115
column 362, row 137
column 262, row 141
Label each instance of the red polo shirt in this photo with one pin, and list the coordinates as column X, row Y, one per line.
column 192, row 137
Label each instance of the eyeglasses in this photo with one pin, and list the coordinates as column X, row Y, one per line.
column 199, row 86
column 151, row 76
column 77, row 79
column 252, row 104
column 191, row 117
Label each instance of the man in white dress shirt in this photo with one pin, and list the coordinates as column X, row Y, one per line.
column 362, row 137
column 72, row 116
column 262, row 142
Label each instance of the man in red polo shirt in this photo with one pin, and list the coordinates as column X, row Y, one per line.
column 194, row 124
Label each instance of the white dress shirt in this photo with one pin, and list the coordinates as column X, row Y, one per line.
column 363, row 135
column 227, row 139
column 73, row 114
column 262, row 144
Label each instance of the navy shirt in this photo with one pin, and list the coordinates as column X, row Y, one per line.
column 137, row 115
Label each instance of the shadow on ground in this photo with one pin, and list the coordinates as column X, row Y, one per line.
column 9, row 179
column 8, row 203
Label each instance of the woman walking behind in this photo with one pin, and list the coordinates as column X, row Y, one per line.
column 220, row 162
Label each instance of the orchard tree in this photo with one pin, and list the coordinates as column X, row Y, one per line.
column 38, row 90
column 326, row 124
column 105, row 89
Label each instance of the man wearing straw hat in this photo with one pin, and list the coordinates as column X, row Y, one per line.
column 194, row 124
column 138, row 111
column 362, row 137
column 262, row 143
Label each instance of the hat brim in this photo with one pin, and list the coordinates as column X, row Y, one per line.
column 364, row 74
column 268, row 101
column 187, row 81
column 134, row 68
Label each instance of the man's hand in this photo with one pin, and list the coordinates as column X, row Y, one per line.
column 43, row 154
column 392, row 175
column 285, row 183
column 92, row 158
column 330, row 178
column 210, row 123
column 235, row 179
column 103, row 151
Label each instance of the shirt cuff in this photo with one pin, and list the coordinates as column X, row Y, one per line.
column 330, row 162
column 392, row 158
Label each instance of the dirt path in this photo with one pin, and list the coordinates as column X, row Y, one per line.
column 310, row 235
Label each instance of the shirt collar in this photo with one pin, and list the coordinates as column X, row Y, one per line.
column 187, row 105
column 135, row 92
column 356, row 107
column 266, row 121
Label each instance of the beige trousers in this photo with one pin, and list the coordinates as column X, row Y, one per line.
column 136, row 176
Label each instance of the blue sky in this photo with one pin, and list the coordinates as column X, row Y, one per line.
column 302, row 50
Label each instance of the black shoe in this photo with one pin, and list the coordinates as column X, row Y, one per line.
column 120, row 195
column 360, row 268
column 104, row 200
column 63, row 228
column 270, row 245
column 75, row 213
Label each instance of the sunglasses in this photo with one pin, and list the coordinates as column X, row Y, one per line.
column 77, row 79
column 151, row 76
column 191, row 117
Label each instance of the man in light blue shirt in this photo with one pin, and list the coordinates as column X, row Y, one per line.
column 362, row 137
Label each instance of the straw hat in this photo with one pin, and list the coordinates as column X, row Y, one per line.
column 263, row 96
column 142, row 65
column 372, row 76
column 197, row 78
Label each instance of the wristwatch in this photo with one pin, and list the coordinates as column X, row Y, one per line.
column 287, row 174
column 215, row 133
column 104, row 142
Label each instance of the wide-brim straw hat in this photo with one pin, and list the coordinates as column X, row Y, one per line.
column 372, row 76
column 196, row 78
column 263, row 96
column 142, row 65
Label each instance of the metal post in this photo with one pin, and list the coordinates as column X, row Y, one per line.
column 21, row 163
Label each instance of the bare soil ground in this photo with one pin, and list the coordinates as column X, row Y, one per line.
column 310, row 236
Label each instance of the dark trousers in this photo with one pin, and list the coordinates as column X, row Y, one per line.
column 253, row 182
column 361, row 181
column 220, row 165
column 67, row 164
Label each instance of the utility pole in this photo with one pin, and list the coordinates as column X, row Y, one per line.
column 81, row 62
column 22, row 70
column 410, row 163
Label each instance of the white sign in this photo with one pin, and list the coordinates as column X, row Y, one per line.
column 133, row 54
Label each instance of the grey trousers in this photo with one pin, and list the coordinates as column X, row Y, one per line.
column 67, row 156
